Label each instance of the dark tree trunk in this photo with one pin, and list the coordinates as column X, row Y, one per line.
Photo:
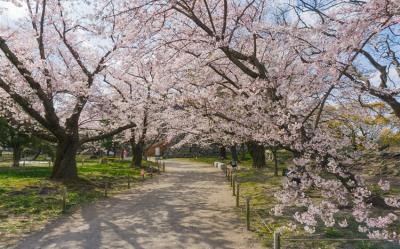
column 353, row 140
column 114, row 152
column 122, row 154
column 234, row 153
column 257, row 152
column 222, row 153
column 137, row 153
column 65, row 161
column 17, row 151
column 275, row 155
column 243, row 152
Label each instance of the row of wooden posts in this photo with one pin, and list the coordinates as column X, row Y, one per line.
column 235, row 184
column 64, row 193
column 229, row 173
column 236, row 192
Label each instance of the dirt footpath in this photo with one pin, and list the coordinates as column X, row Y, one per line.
column 189, row 207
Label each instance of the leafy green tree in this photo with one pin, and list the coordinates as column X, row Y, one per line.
column 13, row 138
column 23, row 143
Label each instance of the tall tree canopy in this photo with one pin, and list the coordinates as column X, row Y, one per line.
column 280, row 74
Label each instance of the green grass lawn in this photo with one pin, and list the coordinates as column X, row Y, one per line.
column 28, row 199
column 261, row 184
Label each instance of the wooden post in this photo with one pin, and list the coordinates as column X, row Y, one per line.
column 64, row 198
column 277, row 240
column 163, row 166
column 232, row 179
column 83, row 162
column 233, row 187
column 248, row 213
column 105, row 189
column 129, row 181
column 237, row 195
column 158, row 167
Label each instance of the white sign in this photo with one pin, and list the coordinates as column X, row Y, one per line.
column 158, row 151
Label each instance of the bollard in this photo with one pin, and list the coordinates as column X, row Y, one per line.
column 64, row 198
column 129, row 181
column 106, row 189
column 237, row 195
column 232, row 179
column 158, row 167
column 277, row 240
column 41, row 185
column 163, row 166
column 248, row 213
column 233, row 187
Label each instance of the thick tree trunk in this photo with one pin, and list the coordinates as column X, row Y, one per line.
column 274, row 153
column 243, row 152
column 234, row 153
column 17, row 151
column 122, row 154
column 65, row 161
column 257, row 152
column 222, row 153
column 137, row 154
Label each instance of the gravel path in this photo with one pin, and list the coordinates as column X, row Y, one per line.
column 189, row 207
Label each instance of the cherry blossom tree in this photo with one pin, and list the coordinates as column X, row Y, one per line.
column 142, row 89
column 53, row 64
column 357, row 43
column 286, row 70
column 266, row 73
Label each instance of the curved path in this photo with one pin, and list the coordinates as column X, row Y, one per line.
column 189, row 207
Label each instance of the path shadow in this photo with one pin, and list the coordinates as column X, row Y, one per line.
column 178, row 211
